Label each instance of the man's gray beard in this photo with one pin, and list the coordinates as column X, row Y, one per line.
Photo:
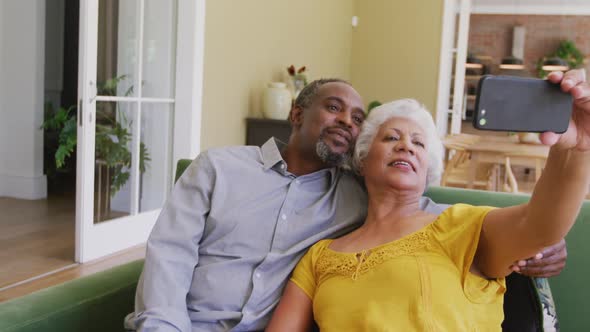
column 331, row 158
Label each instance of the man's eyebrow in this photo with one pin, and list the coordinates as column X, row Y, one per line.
column 341, row 101
column 338, row 99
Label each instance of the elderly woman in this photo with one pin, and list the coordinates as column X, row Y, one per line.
column 407, row 270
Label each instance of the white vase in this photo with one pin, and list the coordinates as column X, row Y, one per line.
column 276, row 101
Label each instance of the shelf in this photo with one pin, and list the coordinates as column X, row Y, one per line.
column 472, row 77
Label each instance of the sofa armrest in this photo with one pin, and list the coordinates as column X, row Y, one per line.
column 98, row 302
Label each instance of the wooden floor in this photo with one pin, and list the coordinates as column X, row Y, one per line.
column 36, row 236
column 73, row 272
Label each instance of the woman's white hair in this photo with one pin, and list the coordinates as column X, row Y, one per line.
column 408, row 109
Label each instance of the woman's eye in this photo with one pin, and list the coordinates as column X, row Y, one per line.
column 420, row 144
column 358, row 120
column 391, row 138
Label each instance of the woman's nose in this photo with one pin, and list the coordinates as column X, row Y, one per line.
column 404, row 145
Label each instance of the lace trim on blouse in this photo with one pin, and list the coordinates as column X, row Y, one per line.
column 354, row 264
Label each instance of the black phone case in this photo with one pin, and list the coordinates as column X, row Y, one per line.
column 508, row 103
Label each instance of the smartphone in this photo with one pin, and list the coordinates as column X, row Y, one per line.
column 510, row 103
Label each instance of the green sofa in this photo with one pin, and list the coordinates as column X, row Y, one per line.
column 100, row 302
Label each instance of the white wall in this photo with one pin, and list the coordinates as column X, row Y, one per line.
column 22, row 56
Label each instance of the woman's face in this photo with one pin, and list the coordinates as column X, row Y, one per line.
column 398, row 156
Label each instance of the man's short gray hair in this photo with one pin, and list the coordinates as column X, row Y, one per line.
column 309, row 92
column 408, row 109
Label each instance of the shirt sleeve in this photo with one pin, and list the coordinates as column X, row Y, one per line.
column 172, row 252
column 304, row 274
column 428, row 205
column 457, row 230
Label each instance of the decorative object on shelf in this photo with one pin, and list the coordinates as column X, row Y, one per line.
column 529, row 138
column 512, row 63
column 276, row 101
column 298, row 79
column 474, row 65
column 554, row 63
column 473, row 62
column 567, row 56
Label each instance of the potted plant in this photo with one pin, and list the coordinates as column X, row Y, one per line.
column 298, row 79
column 566, row 53
column 111, row 143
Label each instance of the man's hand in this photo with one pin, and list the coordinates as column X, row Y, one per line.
column 548, row 263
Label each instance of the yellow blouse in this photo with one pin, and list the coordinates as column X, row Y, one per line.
column 420, row 282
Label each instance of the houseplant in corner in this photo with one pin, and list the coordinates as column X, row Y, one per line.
column 112, row 139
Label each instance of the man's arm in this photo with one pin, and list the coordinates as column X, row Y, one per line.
column 172, row 252
column 548, row 263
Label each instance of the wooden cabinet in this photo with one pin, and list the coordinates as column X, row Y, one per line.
column 258, row 131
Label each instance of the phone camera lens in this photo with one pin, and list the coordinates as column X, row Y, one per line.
column 482, row 122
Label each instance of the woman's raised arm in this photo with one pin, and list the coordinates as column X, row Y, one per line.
column 521, row 231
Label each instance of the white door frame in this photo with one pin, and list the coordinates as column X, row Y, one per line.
column 98, row 240
column 457, row 45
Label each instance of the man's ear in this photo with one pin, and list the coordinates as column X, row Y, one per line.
column 296, row 116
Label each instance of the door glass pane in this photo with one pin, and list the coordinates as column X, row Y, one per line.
column 116, row 73
column 113, row 138
column 159, row 46
column 156, row 144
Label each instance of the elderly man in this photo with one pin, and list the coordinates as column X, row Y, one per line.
column 240, row 218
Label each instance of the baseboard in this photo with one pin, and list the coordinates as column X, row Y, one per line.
column 23, row 187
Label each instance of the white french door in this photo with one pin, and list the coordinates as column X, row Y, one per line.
column 139, row 90
column 455, row 34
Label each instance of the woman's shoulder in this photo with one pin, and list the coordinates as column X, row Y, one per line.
column 319, row 246
column 461, row 210
column 460, row 220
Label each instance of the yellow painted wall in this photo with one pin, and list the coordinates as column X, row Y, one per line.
column 249, row 43
column 396, row 50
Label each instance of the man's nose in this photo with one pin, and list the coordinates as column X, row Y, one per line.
column 345, row 118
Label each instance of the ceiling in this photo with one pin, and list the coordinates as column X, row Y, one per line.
column 538, row 7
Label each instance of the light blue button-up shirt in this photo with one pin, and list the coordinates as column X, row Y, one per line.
column 233, row 229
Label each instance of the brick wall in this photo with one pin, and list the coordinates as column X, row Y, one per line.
column 491, row 35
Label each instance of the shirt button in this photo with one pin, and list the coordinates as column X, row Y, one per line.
column 282, row 166
column 297, row 182
column 284, row 217
column 258, row 275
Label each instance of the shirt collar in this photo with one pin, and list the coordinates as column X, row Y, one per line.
column 271, row 157
column 271, row 153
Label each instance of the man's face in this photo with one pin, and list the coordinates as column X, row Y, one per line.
column 331, row 124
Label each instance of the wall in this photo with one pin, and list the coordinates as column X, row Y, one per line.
column 396, row 50
column 54, row 51
column 491, row 35
column 22, row 35
column 249, row 43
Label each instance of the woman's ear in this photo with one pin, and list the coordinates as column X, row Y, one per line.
column 296, row 116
